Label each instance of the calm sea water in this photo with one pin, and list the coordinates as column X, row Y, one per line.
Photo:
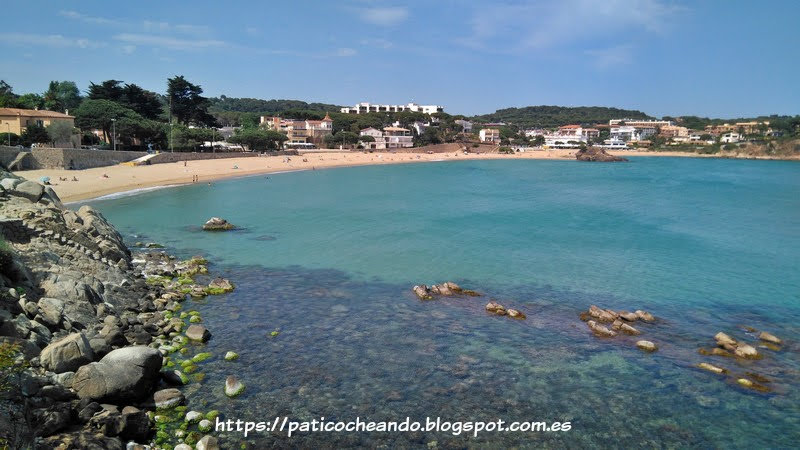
column 328, row 258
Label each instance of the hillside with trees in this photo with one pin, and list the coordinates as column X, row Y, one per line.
column 555, row 116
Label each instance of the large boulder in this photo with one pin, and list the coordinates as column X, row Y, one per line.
column 51, row 310
column 29, row 190
column 125, row 374
column 597, row 154
column 67, row 354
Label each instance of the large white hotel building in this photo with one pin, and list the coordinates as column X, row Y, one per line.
column 366, row 107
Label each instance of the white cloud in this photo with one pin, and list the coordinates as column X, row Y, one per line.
column 51, row 40
column 543, row 25
column 345, row 52
column 169, row 42
column 606, row 58
column 166, row 27
column 88, row 19
column 390, row 15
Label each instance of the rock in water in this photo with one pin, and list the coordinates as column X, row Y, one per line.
column 207, row 443
column 67, row 354
column 513, row 313
column 168, row 398
column 769, row 337
column 712, row 368
column 422, row 292
column 646, row 346
column 198, row 333
column 230, row 356
column 597, row 154
column 217, row 224
column 746, row 351
column 496, row 308
column 627, row 329
column 128, row 373
column 600, row 330
column 233, row 387
column 644, row 315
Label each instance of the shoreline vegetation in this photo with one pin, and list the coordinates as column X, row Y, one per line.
column 103, row 181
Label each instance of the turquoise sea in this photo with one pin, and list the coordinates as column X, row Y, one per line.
column 328, row 258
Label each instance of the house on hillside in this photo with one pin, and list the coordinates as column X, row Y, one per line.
column 490, row 135
column 397, row 137
column 300, row 131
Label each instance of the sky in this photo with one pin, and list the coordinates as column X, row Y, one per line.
column 732, row 58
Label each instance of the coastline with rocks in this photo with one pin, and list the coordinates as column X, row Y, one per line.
column 92, row 334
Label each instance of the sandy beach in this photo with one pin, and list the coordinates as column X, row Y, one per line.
column 101, row 181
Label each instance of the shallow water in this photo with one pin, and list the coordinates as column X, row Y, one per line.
column 328, row 257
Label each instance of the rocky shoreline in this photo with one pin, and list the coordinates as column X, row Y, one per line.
column 95, row 345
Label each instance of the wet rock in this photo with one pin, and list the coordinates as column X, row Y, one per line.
column 207, row 443
column 646, row 346
column 219, row 286
column 629, row 316
column 746, row 351
column 769, row 337
column 198, row 333
column 67, row 354
column 712, row 368
column 422, row 292
column 514, row 314
column 602, row 315
column 645, row 316
column 175, row 377
column 231, row 356
column 218, row 224
column 600, row 330
column 194, row 416
column 495, row 308
column 128, row 373
column 233, row 387
column 725, row 341
column 205, row 425
column 627, row 329
column 168, row 398
column 597, row 154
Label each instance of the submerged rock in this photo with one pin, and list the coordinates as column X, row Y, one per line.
column 514, row 314
column 230, row 356
column 646, row 346
column 233, row 387
column 600, row 330
column 724, row 341
column 219, row 286
column 627, row 329
column 746, row 351
column 218, row 224
column 769, row 337
column 712, row 368
column 496, row 308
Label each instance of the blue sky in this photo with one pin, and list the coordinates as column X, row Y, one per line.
column 711, row 58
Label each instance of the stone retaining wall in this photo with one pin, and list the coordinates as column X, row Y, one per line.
column 66, row 158
column 168, row 157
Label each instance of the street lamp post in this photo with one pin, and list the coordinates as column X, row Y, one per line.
column 114, row 132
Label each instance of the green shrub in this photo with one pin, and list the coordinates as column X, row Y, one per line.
column 6, row 257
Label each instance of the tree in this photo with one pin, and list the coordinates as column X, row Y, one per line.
column 62, row 96
column 60, row 132
column 107, row 90
column 7, row 97
column 146, row 103
column 341, row 138
column 97, row 115
column 30, row 101
column 366, row 138
column 258, row 139
column 429, row 137
column 9, row 139
column 538, row 141
column 34, row 134
column 186, row 103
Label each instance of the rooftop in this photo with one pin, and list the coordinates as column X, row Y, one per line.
column 33, row 113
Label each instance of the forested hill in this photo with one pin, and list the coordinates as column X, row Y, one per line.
column 255, row 105
column 553, row 116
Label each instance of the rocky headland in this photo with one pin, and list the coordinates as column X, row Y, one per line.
column 93, row 343
column 597, row 154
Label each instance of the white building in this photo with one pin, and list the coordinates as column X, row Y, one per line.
column 638, row 123
column 730, row 138
column 629, row 133
column 366, row 107
column 569, row 136
column 533, row 132
column 491, row 135
column 390, row 137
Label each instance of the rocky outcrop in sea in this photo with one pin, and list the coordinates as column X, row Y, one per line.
column 597, row 154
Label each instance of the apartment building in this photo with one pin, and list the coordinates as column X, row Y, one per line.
column 15, row 120
column 366, row 107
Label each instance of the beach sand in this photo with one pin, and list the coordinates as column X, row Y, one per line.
column 121, row 178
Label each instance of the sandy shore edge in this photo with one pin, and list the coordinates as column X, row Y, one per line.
column 122, row 179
